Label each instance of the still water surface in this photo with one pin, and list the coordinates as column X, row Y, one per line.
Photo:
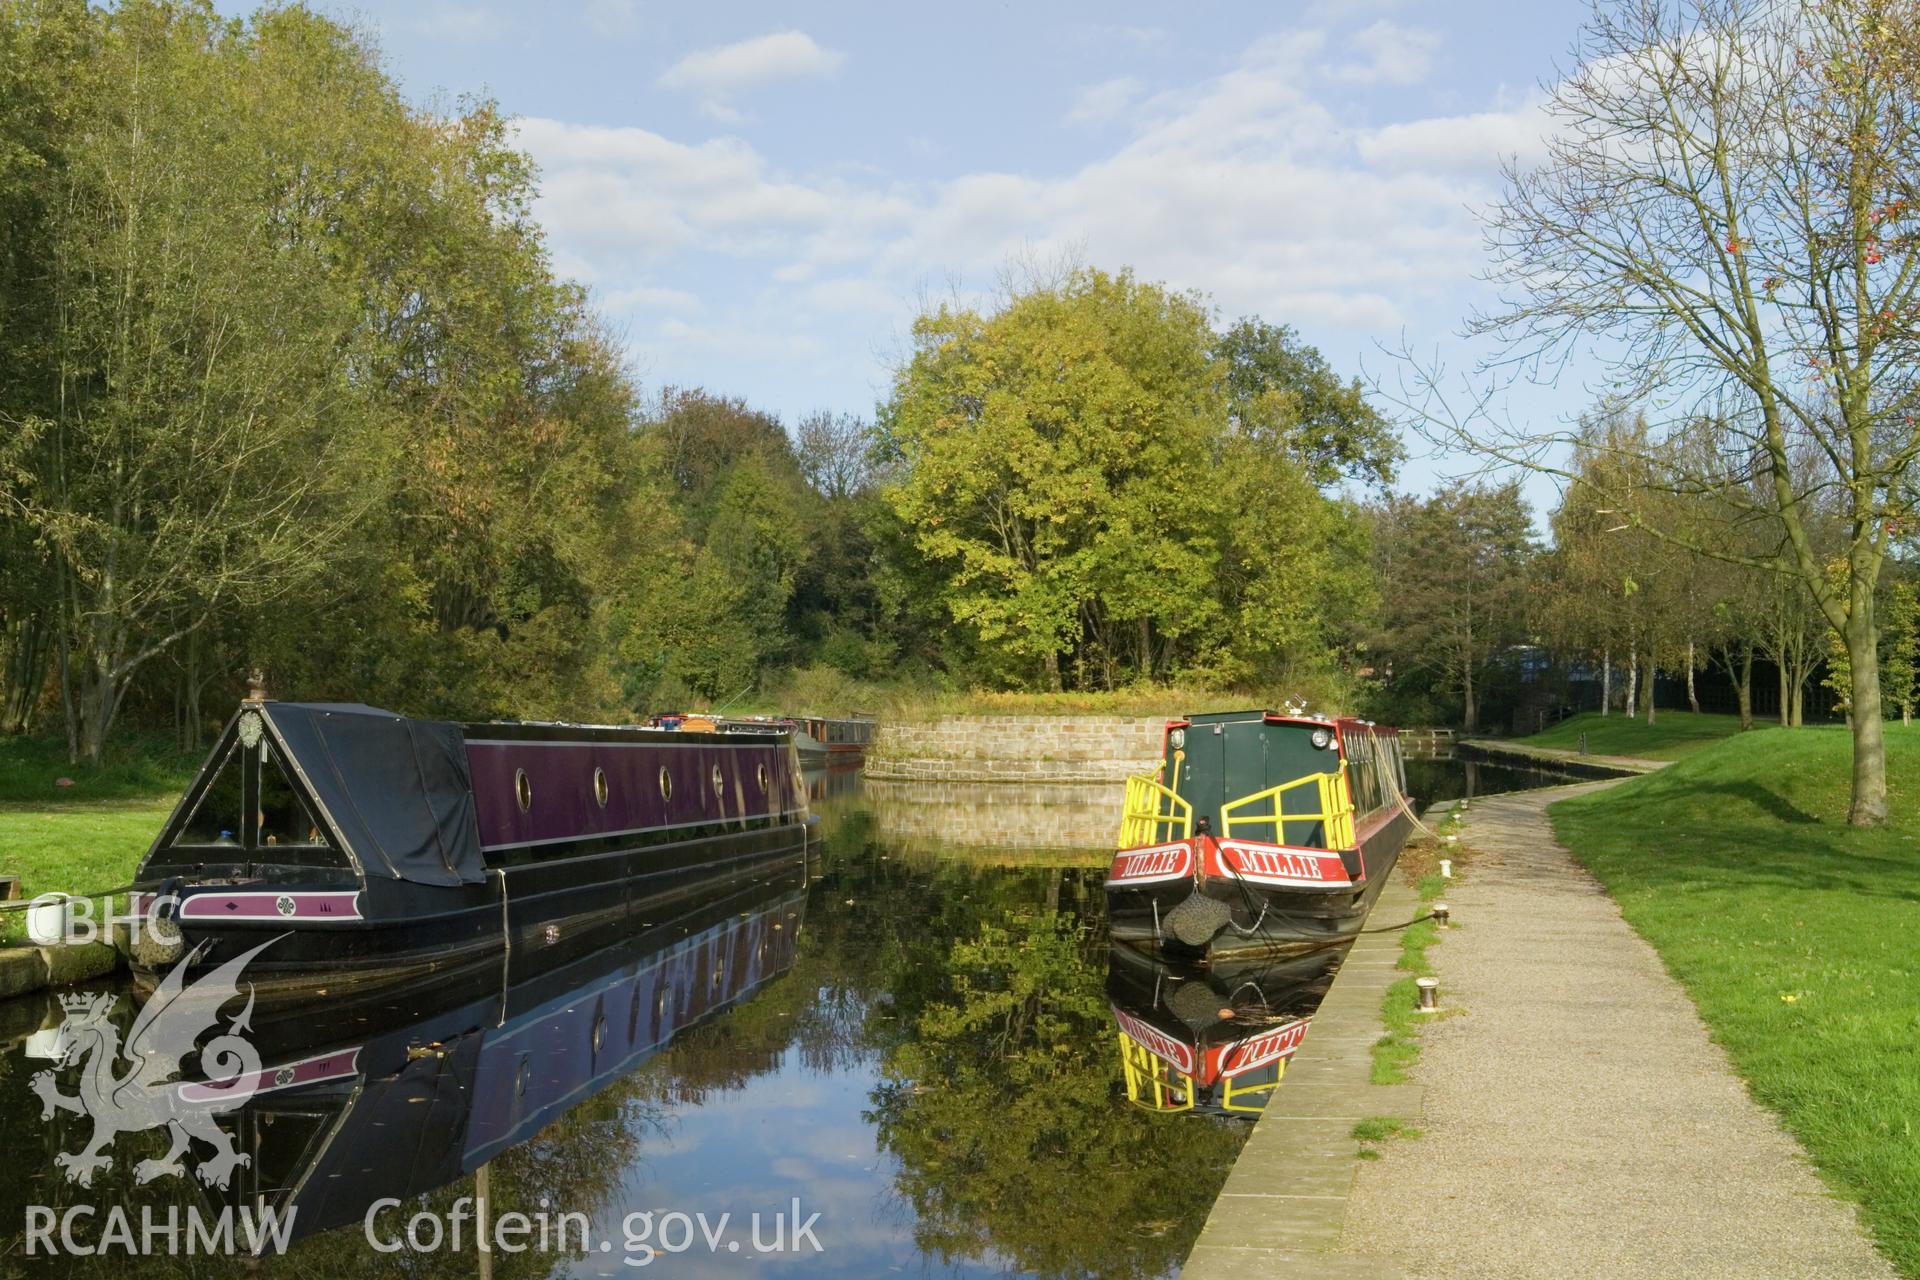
column 923, row 1050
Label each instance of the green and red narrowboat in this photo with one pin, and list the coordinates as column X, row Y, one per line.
column 1214, row 1039
column 1262, row 833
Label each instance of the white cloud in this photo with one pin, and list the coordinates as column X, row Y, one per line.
column 1389, row 54
column 1249, row 186
column 718, row 74
column 1458, row 144
column 632, row 194
column 1102, row 103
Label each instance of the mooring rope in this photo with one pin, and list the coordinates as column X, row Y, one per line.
column 1389, row 928
column 137, row 886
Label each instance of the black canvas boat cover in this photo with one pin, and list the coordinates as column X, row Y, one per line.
column 398, row 790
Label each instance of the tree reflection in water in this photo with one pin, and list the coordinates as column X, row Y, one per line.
column 967, row 1002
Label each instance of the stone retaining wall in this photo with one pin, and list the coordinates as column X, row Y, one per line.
column 1064, row 824
column 1047, row 749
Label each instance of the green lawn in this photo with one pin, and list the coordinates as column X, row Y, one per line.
column 78, row 847
column 1672, row 735
column 1795, row 936
column 87, row 836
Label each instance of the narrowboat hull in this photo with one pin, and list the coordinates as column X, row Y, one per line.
column 1253, row 918
column 388, row 932
column 1262, row 834
column 1216, row 1039
column 368, row 845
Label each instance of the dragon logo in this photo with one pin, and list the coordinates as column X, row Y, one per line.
column 134, row 1087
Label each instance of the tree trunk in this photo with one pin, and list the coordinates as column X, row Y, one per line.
column 1606, row 679
column 1744, row 687
column 1693, row 698
column 67, row 715
column 1470, row 713
column 30, row 644
column 1869, row 806
column 1786, row 701
column 1646, row 687
column 1799, row 702
column 99, row 699
column 1053, row 672
column 1633, row 680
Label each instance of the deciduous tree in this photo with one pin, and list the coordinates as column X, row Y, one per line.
column 1728, row 207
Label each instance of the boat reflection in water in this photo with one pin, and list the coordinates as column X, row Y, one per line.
column 359, row 1102
column 1214, row 1039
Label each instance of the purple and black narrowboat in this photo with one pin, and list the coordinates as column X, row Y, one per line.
column 379, row 843
column 1262, row 833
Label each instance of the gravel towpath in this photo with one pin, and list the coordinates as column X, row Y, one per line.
column 1578, row 1120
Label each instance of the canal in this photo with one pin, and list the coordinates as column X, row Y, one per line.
column 920, row 1060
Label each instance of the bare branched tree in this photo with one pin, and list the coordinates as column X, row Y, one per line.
column 1727, row 214
column 836, row 452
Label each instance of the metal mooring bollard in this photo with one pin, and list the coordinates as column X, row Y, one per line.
column 1440, row 915
column 1429, row 995
column 1446, row 868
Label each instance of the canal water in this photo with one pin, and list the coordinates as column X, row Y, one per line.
column 910, row 1057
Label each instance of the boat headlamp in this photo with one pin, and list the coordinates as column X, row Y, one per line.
column 1178, row 738
column 1322, row 739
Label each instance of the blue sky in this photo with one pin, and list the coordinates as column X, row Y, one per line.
column 762, row 197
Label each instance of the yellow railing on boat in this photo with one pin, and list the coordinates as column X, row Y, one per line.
column 1151, row 1082
column 1335, row 811
column 1149, row 809
column 1235, row 1096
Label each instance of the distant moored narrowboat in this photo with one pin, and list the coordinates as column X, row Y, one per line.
column 373, row 841
column 1262, row 833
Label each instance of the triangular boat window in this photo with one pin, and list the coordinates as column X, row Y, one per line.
column 216, row 815
column 285, row 817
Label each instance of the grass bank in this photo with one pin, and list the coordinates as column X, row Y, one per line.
column 1395, row 1052
column 1793, row 933
column 1673, row 734
column 89, row 835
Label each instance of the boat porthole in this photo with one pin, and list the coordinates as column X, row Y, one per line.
column 719, row 782
column 600, row 787
column 521, row 1077
column 760, row 774
column 599, row 1032
column 522, row 790
column 666, row 783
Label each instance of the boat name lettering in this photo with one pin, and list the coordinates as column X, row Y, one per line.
column 1286, row 864
column 1162, row 862
column 1156, row 1042
column 1262, row 1049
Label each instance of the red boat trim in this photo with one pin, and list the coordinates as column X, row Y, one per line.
column 272, row 905
column 1156, row 1042
column 1152, row 864
column 1262, row 1049
column 326, row 1066
column 1283, row 865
